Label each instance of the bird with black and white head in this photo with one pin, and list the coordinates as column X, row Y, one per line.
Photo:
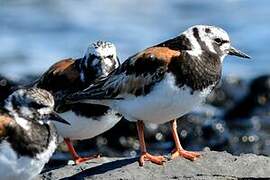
column 27, row 136
column 102, row 56
column 74, row 75
column 210, row 39
column 164, row 82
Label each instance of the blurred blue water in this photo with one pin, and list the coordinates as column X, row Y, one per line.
column 35, row 33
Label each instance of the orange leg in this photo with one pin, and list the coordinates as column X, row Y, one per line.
column 77, row 159
column 144, row 155
column 179, row 151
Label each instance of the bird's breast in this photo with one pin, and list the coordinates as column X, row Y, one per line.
column 83, row 127
column 18, row 167
column 165, row 102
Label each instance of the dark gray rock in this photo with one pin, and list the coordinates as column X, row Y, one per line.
column 212, row 165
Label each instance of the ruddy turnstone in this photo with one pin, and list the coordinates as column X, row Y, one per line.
column 27, row 137
column 164, row 82
column 73, row 75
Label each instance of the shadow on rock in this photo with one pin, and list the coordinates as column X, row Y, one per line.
column 102, row 168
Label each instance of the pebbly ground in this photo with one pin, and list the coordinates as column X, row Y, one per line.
column 212, row 165
column 236, row 118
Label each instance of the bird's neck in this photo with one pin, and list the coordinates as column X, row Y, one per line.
column 197, row 72
column 33, row 141
column 87, row 73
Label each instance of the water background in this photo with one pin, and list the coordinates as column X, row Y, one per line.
column 34, row 33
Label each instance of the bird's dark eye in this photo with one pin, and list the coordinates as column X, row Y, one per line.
column 36, row 105
column 92, row 56
column 110, row 56
column 218, row 40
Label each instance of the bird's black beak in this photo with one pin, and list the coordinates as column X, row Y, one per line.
column 118, row 60
column 235, row 52
column 55, row 117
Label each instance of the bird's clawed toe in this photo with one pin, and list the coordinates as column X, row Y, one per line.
column 185, row 154
column 80, row 160
column 159, row 160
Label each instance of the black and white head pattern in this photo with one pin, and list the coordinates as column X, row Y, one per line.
column 208, row 38
column 102, row 57
column 30, row 104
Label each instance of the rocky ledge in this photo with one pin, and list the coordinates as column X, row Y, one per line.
column 212, row 165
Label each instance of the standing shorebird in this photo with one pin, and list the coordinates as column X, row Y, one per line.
column 69, row 76
column 27, row 137
column 164, row 82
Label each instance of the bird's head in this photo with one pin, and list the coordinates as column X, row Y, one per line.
column 32, row 104
column 101, row 57
column 211, row 39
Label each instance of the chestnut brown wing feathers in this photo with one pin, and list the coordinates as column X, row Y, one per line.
column 135, row 76
column 61, row 76
column 4, row 122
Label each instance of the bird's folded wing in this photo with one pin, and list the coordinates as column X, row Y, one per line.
column 59, row 76
column 135, row 76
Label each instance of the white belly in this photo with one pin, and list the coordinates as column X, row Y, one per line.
column 13, row 167
column 164, row 103
column 85, row 128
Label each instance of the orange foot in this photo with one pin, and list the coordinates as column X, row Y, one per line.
column 185, row 154
column 79, row 160
column 154, row 159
